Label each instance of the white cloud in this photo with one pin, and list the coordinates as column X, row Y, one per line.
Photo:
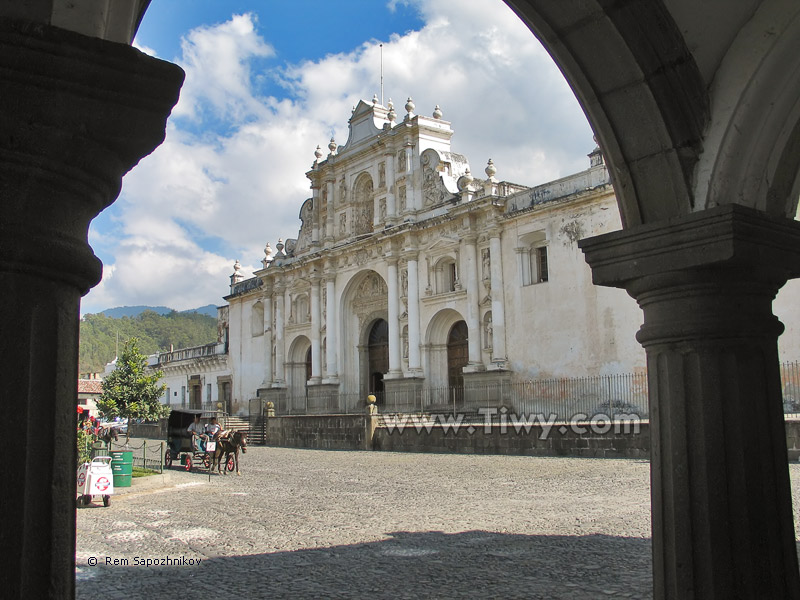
column 202, row 200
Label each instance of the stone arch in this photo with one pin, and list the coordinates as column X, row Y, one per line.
column 297, row 371
column 436, row 338
column 364, row 299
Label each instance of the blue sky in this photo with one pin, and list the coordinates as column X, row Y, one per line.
column 267, row 81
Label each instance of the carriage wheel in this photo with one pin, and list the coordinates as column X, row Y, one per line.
column 106, row 500
column 230, row 464
column 206, row 461
column 187, row 462
column 168, row 458
column 86, row 499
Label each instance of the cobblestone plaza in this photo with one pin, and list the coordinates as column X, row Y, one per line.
column 307, row 523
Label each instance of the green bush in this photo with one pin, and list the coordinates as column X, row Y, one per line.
column 84, row 447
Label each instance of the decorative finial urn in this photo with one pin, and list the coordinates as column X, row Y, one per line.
column 332, row 146
column 490, row 170
column 410, row 106
column 391, row 115
column 318, row 153
column 437, row 112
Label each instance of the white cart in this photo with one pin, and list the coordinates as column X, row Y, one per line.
column 95, row 479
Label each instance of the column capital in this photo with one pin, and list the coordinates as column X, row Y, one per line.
column 725, row 237
column 411, row 254
column 68, row 150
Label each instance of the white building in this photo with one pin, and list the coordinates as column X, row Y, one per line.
column 411, row 274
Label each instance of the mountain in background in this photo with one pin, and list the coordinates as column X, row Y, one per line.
column 156, row 332
column 135, row 311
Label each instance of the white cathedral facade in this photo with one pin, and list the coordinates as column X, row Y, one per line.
column 415, row 279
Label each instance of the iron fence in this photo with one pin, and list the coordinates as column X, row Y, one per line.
column 618, row 396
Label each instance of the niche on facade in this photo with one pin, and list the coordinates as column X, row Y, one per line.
column 257, row 319
column 445, row 275
column 302, row 310
column 364, row 207
column 532, row 257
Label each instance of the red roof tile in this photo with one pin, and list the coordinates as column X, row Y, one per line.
column 90, row 386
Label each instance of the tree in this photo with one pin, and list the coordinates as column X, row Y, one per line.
column 129, row 392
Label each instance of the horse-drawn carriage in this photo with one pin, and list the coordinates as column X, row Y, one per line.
column 181, row 448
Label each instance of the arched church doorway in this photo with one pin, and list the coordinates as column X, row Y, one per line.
column 457, row 358
column 378, row 352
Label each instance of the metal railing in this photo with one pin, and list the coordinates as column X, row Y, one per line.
column 620, row 396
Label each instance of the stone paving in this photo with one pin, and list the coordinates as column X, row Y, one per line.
column 317, row 524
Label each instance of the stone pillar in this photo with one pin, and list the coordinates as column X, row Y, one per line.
column 721, row 501
column 414, row 363
column 498, row 300
column 395, row 369
column 315, row 212
column 268, row 337
column 316, row 321
column 391, row 203
column 413, row 200
column 472, row 316
column 77, row 114
column 331, row 324
column 330, row 225
column 280, row 338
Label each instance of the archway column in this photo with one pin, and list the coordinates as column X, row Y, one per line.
column 721, row 501
column 78, row 113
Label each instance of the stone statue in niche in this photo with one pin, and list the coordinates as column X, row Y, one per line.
column 382, row 175
column 487, row 263
column 402, row 193
column 343, row 224
column 404, row 283
column 401, row 161
column 488, row 331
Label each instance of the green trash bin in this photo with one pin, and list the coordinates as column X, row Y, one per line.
column 122, row 467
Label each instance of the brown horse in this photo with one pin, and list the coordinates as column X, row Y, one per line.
column 107, row 434
column 228, row 445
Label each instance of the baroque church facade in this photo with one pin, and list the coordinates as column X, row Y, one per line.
column 410, row 276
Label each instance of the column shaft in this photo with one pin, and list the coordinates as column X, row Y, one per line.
column 316, row 358
column 280, row 371
column 268, row 339
column 391, row 204
column 498, row 298
column 394, row 318
column 330, row 328
column 472, row 316
column 414, row 363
